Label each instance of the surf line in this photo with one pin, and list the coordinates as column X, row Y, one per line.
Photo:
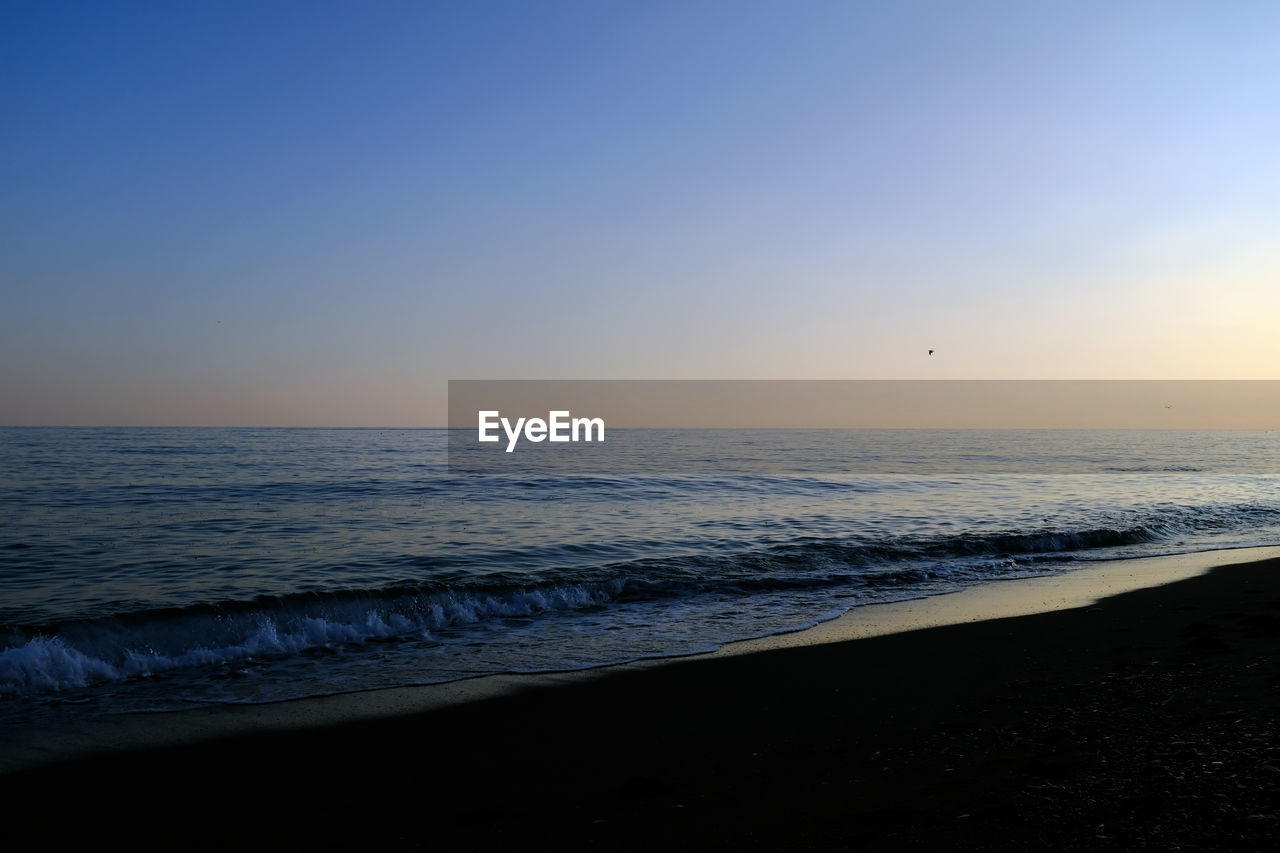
column 559, row 425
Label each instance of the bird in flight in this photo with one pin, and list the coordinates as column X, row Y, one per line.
column 930, row 352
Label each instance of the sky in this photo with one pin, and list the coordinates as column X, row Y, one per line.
column 317, row 213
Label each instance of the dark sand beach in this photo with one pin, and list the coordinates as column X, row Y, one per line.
column 1146, row 721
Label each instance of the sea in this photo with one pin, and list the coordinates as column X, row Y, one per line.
column 150, row 570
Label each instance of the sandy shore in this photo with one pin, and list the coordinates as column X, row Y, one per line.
column 1146, row 720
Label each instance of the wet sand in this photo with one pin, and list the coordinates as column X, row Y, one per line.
column 1150, row 719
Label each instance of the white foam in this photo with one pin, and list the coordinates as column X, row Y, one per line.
column 48, row 663
column 112, row 653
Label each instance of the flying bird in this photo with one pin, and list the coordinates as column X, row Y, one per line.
column 930, row 352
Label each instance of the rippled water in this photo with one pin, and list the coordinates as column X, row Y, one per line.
column 146, row 568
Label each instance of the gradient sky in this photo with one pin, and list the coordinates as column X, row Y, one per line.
column 316, row 213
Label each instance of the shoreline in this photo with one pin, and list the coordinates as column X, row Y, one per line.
column 104, row 735
column 1003, row 599
column 1148, row 719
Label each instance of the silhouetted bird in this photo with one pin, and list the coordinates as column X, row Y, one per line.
column 930, row 352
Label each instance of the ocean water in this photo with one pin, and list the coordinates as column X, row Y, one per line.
column 154, row 569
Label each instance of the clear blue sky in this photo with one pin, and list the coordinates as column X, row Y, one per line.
column 316, row 213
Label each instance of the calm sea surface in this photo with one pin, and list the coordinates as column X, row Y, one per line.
column 146, row 569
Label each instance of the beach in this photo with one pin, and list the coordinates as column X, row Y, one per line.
column 1145, row 720
column 650, row 426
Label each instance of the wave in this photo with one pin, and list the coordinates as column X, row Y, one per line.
column 144, row 643
column 150, row 642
